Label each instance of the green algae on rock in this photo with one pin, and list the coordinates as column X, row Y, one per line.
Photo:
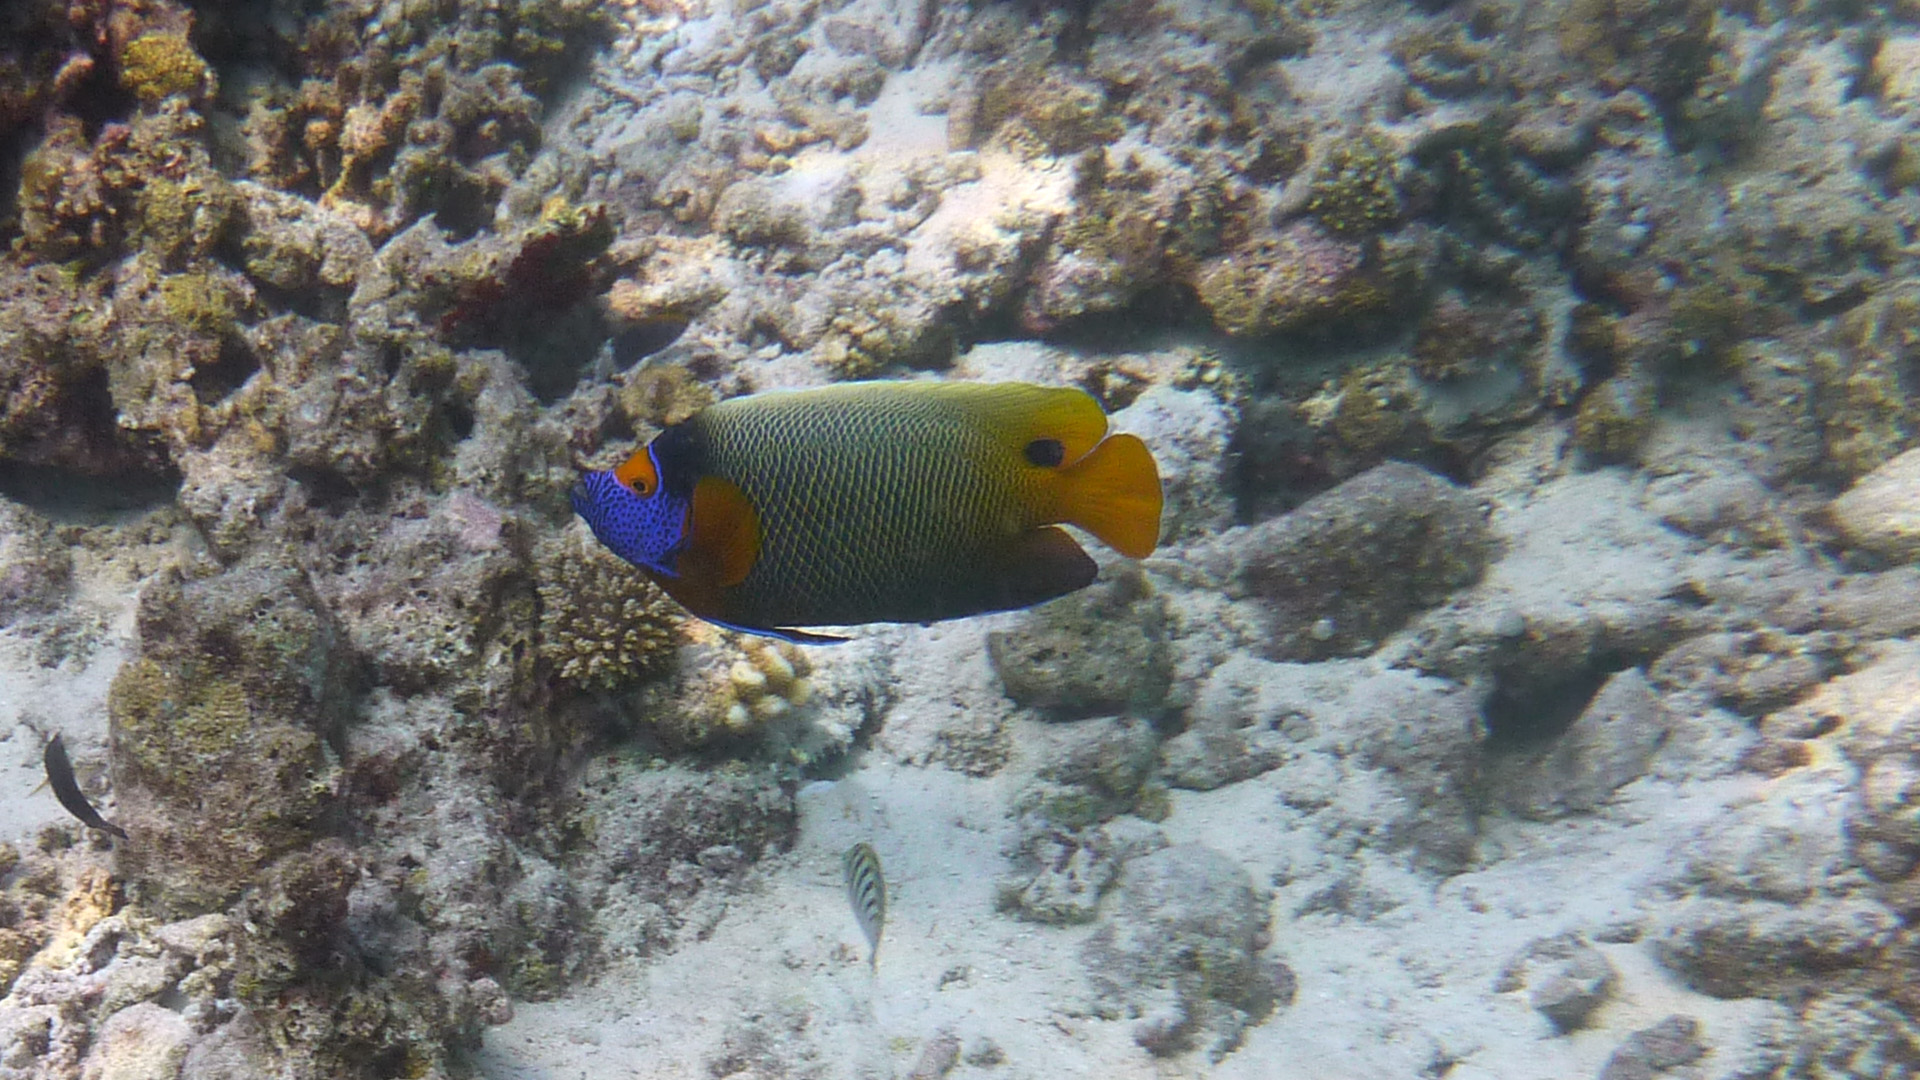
column 1354, row 190
column 224, row 728
column 161, row 63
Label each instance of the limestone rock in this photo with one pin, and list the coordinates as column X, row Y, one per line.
column 140, row 1042
column 1881, row 512
column 1182, row 949
column 1102, row 649
column 1669, row 1044
column 1566, row 979
column 1758, row 948
column 1351, row 565
column 1237, row 728
column 36, row 573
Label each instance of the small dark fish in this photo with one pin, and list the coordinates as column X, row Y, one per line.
column 870, row 502
column 67, row 790
column 867, row 893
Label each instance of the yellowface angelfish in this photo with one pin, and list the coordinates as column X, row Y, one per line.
column 876, row 502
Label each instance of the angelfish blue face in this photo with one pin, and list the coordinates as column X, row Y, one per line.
column 636, row 516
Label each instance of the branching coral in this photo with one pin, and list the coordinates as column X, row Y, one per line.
column 602, row 623
column 729, row 692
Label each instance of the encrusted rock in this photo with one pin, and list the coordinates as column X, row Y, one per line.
column 1294, row 279
column 144, row 1041
column 1566, row 979
column 36, row 572
column 223, row 729
column 1059, row 875
column 1104, row 648
column 1848, row 1033
column 1647, row 1053
column 1350, row 565
column 1236, row 728
column 1091, row 771
column 1182, row 949
column 1758, row 948
column 665, row 835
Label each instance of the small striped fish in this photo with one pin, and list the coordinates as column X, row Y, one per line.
column 867, row 894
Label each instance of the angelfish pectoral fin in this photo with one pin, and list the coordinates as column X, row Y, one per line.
column 1039, row 566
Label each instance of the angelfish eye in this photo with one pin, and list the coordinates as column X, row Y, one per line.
column 638, row 473
column 1046, row 453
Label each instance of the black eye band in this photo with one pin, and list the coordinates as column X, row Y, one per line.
column 1046, row 453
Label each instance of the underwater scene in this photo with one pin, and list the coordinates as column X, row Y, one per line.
column 991, row 539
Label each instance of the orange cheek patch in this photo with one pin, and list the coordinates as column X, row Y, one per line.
column 638, row 473
column 725, row 528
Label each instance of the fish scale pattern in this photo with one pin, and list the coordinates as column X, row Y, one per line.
column 902, row 505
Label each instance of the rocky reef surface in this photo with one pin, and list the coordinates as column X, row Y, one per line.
column 1526, row 682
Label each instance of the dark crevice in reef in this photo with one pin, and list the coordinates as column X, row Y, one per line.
column 327, row 488
column 236, row 364
column 69, row 495
column 555, row 351
column 636, row 343
column 1526, row 713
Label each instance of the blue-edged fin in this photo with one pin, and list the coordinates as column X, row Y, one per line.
column 784, row 633
column 723, row 530
column 1114, row 493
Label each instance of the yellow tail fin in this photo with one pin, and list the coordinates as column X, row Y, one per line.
column 1114, row 493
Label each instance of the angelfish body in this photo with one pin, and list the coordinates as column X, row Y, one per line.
column 876, row 502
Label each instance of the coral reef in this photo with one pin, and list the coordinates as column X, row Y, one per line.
column 349, row 292
column 1291, row 280
column 392, row 115
column 1353, row 189
column 728, row 692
